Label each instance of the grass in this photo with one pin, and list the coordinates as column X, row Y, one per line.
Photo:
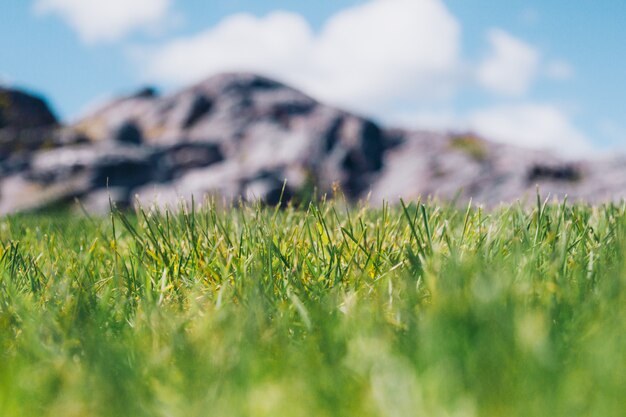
column 471, row 145
column 325, row 311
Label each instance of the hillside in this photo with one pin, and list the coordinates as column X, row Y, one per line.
column 242, row 135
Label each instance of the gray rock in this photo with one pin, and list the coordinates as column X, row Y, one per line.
column 21, row 194
column 174, row 161
column 128, row 133
column 222, row 181
column 26, row 123
column 103, row 200
column 263, row 125
column 269, row 188
column 103, row 166
column 22, row 110
column 241, row 136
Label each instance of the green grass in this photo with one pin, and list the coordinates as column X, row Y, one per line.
column 326, row 311
column 472, row 145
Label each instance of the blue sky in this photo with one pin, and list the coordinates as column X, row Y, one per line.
column 533, row 73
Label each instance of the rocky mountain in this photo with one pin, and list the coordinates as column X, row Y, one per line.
column 243, row 135
column 25, row 122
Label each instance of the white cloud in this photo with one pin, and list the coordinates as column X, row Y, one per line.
column 559, row 70
column 512, row 66
column 277, row 43
column 106, row 20
column 365, row 57
column 397, row 59
column 540, row 126
column 5, row 80
column 440, row 119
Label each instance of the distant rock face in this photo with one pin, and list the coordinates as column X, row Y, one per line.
column 262, row 130
column 20, row 110
column 26, row 123
column 243, row 136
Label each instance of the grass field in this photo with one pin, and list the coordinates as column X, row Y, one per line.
column 323, row 311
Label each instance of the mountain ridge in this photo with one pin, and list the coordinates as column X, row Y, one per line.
column 242, row 135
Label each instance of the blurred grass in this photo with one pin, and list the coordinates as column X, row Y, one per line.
column 325, row 311
column 471, row 145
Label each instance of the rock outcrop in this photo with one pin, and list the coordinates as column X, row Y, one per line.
column 250, row 137
column 21, row 110
column 26, row 123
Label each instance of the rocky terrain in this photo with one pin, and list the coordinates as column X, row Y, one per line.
column 245, row 136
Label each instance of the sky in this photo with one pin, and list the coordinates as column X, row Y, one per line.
column 532, row 73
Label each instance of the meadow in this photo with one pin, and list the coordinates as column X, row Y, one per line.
column 322, row 310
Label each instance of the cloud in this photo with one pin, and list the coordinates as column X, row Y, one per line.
column 540, row 126
column 106, row 20
column 5, row 80
column 367, row 57
column 239, row 43
column 400, row 60
column 531, row 125
column 559, row 70
column 440, row 119
column 511, row 67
